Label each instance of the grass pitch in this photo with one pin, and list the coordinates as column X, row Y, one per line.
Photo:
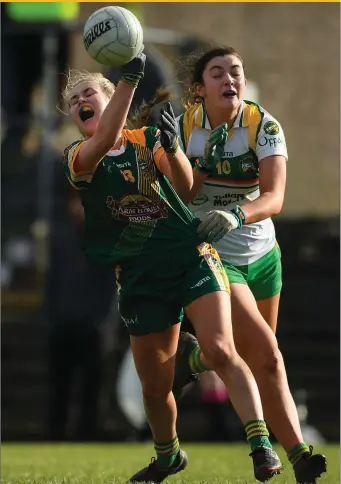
column 116, row 463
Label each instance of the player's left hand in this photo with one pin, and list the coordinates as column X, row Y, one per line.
column 167, row 126
column 217, row 223
column 133, row 71
column 214, row 150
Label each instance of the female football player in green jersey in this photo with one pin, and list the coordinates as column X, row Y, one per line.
column 237, row 187
column 136, row 222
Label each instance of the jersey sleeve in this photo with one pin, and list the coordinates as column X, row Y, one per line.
column 79, row 180
column 270, row 139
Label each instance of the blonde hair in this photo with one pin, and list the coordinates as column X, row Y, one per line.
column 75, row 77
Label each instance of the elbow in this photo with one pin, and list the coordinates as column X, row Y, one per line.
column 188, row 191
column 186, row 200
column 277, row 206
column 190, row 183
column 187, row 184
column 184, row 191
column 272, row 203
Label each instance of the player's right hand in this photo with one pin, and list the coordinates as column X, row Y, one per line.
column 214, row 150
column 133, row 71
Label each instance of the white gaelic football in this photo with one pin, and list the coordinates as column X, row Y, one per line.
column 113, row 36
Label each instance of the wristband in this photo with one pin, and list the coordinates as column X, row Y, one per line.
column 174, row 148
column 240, row 215
column 132, row 79
column 201, row 168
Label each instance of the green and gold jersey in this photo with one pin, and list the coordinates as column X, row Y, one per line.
column 131, row 210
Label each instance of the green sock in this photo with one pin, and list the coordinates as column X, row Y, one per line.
column 167, row 452
column 195, row 362
column 294, row 454
column 257, row 434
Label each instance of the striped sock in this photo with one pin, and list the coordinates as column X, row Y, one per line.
column 167, row 452
column 295, row 454
column 195, row 361
column 257, row 434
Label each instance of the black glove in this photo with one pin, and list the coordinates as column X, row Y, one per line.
column 167, row 126
column 133, row 72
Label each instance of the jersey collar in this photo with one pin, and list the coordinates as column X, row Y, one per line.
column 242, row 119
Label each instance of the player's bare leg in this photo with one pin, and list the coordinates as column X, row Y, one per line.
column 154, row 357
column 307, row 466
column 269, row 310
column 211, row 319
column 252, row 331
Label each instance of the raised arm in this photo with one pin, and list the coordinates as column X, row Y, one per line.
column 113, row 118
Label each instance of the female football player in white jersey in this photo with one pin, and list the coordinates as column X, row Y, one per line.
column 239, row 155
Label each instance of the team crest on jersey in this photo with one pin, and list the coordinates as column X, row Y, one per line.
column 247, row 166
column 271, row 128
column 247, row 163
column 136, row 208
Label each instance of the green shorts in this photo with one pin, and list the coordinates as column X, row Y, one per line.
column 264, row 276
column 152, row 299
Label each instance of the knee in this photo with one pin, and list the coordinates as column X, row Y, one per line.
column 270, row 362
column 219, row 354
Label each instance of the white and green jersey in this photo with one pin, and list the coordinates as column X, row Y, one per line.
column 235, row 180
